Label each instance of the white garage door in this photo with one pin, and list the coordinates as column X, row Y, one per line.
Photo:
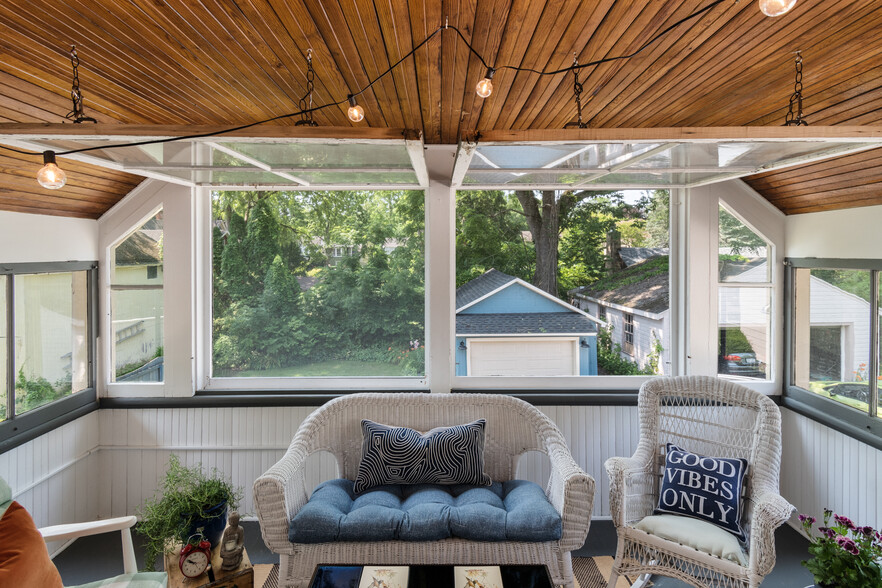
column 523, row 357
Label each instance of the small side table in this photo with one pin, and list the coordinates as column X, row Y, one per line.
column 241, row 577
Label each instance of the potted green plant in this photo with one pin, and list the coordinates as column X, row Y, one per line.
column 845, row 555
column 187, row 502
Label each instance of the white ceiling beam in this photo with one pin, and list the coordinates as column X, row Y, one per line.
column 464, row 154
column 418, row 160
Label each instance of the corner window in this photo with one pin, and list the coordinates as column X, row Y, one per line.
column 318, row 285
column 47, row 339
column 137, row 305
column 745, row 299
column 836, row 334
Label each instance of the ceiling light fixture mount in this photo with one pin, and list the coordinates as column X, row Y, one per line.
column 77, row 114
column 794, row 115
column 577, row 94
column 306, row 101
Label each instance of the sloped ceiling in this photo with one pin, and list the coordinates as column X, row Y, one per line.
column 229, row 62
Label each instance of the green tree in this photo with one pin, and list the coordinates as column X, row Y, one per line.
column 490, row 230
column 737, row 236
column 658, row 219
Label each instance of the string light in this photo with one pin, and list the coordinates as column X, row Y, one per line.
column 485, row 86
column 355, row 112
column 50, row 175
column 776, row 7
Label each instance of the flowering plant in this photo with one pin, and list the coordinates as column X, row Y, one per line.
column 844, row 554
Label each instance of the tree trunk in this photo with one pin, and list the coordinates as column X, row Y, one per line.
column 544, row 225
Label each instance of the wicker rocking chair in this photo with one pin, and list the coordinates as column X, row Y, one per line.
column 709, row 416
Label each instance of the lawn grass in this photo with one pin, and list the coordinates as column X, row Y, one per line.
column 331, row 368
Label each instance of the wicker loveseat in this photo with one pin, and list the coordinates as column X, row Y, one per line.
column 513, row 428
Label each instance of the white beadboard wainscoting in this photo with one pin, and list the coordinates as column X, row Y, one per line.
column 108, row 462
column 245, row 442
column 823, row 468
column 56, row 476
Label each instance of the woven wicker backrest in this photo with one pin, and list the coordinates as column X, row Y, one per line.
column 714, row 417
column 513, row 426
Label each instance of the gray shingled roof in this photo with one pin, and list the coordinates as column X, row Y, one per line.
column 650, row 293
column 534, row 323
column 481, row 286
column 633, row 255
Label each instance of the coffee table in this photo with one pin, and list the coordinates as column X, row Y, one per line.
column 432, row 576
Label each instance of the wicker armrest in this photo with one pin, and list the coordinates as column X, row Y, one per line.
column 571, row 492
column 770, row 512
column 280, row 493
column 630, row 489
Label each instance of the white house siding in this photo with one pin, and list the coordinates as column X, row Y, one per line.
column 747, row 309
column 140, row 311
column 646, row 331
column 832, row 306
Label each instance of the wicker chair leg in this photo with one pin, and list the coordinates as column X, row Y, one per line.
column 617, row 564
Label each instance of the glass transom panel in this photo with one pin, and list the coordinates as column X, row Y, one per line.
column 638, row 165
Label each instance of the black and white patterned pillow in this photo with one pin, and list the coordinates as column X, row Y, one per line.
column 444, row 455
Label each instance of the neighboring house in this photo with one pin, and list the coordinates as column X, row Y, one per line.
column 634, row 302
column 138, row 314
column 507, row 327
column 337, row 252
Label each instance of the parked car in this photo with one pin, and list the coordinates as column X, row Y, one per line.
column 855, row 390
column 742, row 364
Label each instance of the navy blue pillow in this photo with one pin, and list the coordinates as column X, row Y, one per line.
column 398, row 455
column 706, row 488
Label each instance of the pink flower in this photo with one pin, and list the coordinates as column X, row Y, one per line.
column 868, row 531
column 848, row 545
column 844, row 521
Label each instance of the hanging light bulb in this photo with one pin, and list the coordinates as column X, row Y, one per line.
column 776, row 7
column 50, row 175
column 355, row 112
column 485, row 86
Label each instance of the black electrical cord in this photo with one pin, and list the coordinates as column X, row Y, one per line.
column 388, row 71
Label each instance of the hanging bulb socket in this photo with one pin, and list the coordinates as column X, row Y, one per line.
column 776, row 7
column 485, row 86
column 355, row 112
column 50, row 175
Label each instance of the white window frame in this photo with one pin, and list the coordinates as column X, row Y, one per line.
column 187, row 270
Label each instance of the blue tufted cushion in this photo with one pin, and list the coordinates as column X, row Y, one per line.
column 399, row 455
column 516, row 510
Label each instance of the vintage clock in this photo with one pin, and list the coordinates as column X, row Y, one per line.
column 195, row 558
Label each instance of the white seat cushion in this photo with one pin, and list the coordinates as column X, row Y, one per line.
column 696, row 534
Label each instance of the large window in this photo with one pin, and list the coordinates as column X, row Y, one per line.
column 561, row 283
column 745, row 291
column 46, row 339
column 835, row 313
column 318, row 284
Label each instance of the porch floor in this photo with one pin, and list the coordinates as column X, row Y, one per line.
column 91, row 558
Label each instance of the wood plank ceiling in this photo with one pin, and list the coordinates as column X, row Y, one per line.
column 230, row 62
